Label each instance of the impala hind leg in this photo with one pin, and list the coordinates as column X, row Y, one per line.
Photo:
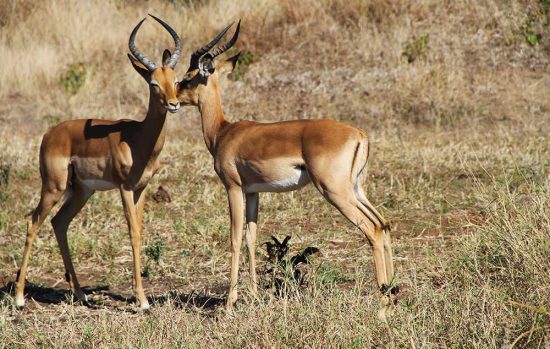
column 342, row 196
column 60, row 222
column 48, row 199
column 366, row 206
column 252, row 201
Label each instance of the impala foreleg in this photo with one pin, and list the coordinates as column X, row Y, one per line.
column 135, row 238
column 235, row 196
column 139, row 200
column 47, row 200
column 252, row 201
column 60, row 223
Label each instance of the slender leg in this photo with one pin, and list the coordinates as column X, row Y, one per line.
column 373, row 233
column 134, row 230
column 139, row 200
column 388, row 254
column 252, row 201
column 235, row 196
column 343, row 198
column 67, row 212
column 366, row 206
column 351, row 210
column 47, row 200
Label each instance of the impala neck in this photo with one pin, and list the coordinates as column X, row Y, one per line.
column 154, row 126
column 212, row 117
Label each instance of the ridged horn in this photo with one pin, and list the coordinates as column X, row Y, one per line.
column 177, row 51
column 218, row 51
column 139, row 56
column 203, row 50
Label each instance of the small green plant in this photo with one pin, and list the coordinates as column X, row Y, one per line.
column 154, row 251
column 245, row 60
column 4, row 218
column 75, row 77
column 533, row 39
column 110, row 250
column 417, row 48
column 183, row 3
column 52, row 120
column 330, row 275
column 178, row 226
column 5, row 171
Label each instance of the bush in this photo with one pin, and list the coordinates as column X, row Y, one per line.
column 245, row 59
column 417, row 48
column 75, row 77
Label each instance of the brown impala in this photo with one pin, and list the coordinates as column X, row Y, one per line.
column 78, row 157
column 252, row 157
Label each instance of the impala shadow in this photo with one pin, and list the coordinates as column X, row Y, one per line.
column 189, row 300
column 51, row 295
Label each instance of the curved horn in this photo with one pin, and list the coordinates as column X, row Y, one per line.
column 177, row 51
column 218, row 51
column 198, row 53
column 140, row 57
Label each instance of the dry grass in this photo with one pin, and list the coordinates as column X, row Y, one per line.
column 452, row 93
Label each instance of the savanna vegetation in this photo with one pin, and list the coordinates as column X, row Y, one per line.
column 454, row 96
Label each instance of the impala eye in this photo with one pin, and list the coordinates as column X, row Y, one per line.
column 154, row 83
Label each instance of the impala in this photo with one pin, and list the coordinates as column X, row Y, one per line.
column 251, row 157
column 79, row 157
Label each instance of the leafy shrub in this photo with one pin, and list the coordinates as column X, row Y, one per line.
column 75, row 77
column 245, row 60
column 417, row 48
column 5, row 170
column 154, row 251
column 52, row 120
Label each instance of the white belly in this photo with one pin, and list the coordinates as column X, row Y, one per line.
column 298, row 179
column 90, row 172
column 97, row 184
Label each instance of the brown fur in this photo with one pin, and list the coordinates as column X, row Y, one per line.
column 250, row 157
column 78, row 157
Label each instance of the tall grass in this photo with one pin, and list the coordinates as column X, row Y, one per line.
column 351, row 53
column 490, row 289
column 453, row 95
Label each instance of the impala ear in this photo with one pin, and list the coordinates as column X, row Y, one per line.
column 206, row 66
column 285, row 241
column 277, row 243
column 228, row 65
column 166, row 57
column 144, row 72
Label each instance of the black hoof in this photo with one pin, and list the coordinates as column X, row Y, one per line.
column 384, row 289
column 395, row 290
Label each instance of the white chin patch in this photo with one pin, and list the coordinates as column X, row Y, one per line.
column 299, row 179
